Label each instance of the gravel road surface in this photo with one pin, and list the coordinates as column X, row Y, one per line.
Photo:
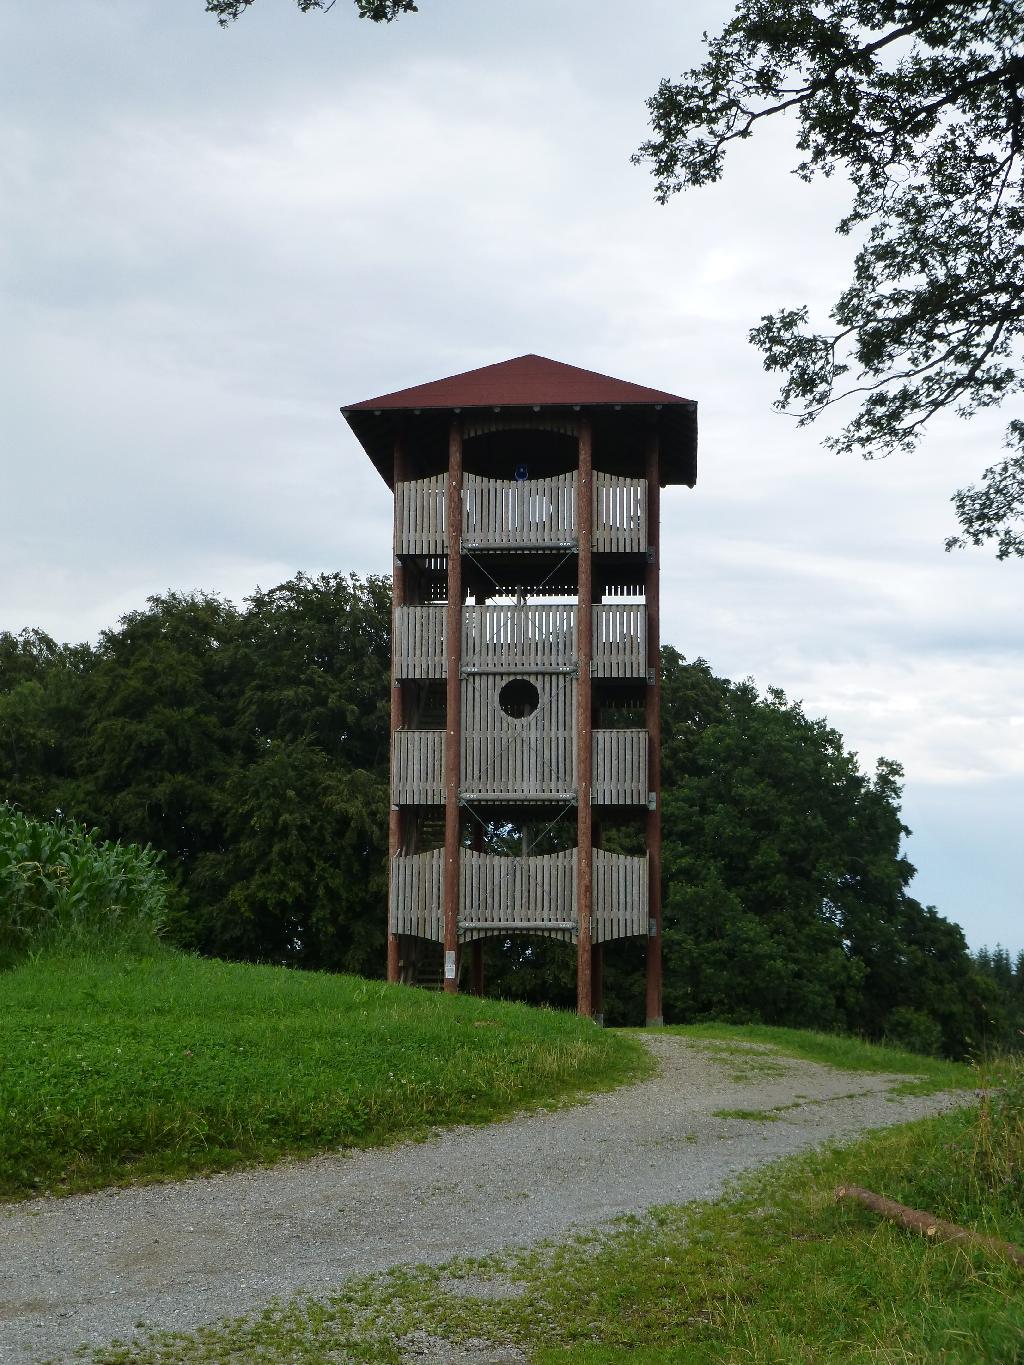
column 92, row 1267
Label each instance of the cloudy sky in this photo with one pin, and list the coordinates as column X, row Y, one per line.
column 211, row 239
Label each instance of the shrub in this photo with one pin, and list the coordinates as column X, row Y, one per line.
column 62, row 886
column 915, row 1031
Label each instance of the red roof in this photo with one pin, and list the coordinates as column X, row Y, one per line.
column 528, row 380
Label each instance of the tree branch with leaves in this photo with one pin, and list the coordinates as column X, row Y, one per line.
column 379, row 11
column 920, row 105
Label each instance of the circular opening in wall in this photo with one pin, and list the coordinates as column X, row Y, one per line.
column 519, row 698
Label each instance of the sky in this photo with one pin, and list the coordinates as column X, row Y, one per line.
column 210, row 240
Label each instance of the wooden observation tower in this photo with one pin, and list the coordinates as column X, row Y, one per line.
column 526, row 675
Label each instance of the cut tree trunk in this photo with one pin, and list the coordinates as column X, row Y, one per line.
column 928, row 1225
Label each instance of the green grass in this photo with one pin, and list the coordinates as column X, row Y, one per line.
column 777, row 1272
column 121, row 1069
column 732, row 1043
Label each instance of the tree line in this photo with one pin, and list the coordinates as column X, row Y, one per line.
column 1006, row 974
column 250, row 746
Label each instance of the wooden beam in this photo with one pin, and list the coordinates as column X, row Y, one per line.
column 398, row 599
column 453, row 722
column 584, row 719
column 652, row 710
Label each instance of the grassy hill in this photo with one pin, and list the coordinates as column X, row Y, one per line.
column 120, row 1067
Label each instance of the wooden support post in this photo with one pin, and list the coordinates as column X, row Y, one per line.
column 453, row 723
column 597, row 952
column 652, row 712
column 584, row 721
column 398, row 597
column 476, row 964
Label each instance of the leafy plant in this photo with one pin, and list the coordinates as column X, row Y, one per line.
column 61, row 885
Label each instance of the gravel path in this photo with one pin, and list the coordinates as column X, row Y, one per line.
column 92, row 1267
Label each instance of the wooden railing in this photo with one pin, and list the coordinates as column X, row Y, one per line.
column 417, row 768
column 419, row 649
column 513, row 895
column 620, row 514
column 620, row 896
column 417, row 895
column 528, row 514
column 421, row 517
column 510, row 639
column 518, row 514
column 499, row 764
column 504, row 639
column 620, row 640
column 620, row 768
column 518, row 895
column 532, row 759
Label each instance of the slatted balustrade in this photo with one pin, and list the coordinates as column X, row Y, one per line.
column 417, row 895
column 620, row 768
column 518, row 895
column 529, row 514
column 620, row 515
column 539, row 767
column 620, row 640
column 513, row 895
column 620, row 896
column 517, row 514
column 421, row 517
column 529, row 759
column 417, row 768
column 518, row 638
column 419, row 643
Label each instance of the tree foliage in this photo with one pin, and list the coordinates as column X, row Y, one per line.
column 785, row 886
column 379, row 11
column 919, row 103
column 1006, row 977
column 251, row 747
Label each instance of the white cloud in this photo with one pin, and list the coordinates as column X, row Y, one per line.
column 211, row 240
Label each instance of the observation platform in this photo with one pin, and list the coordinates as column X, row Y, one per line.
column 520, row 895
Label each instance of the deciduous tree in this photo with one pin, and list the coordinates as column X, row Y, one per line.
column 920, row 104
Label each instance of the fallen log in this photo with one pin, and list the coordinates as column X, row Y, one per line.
column 928, row 1225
